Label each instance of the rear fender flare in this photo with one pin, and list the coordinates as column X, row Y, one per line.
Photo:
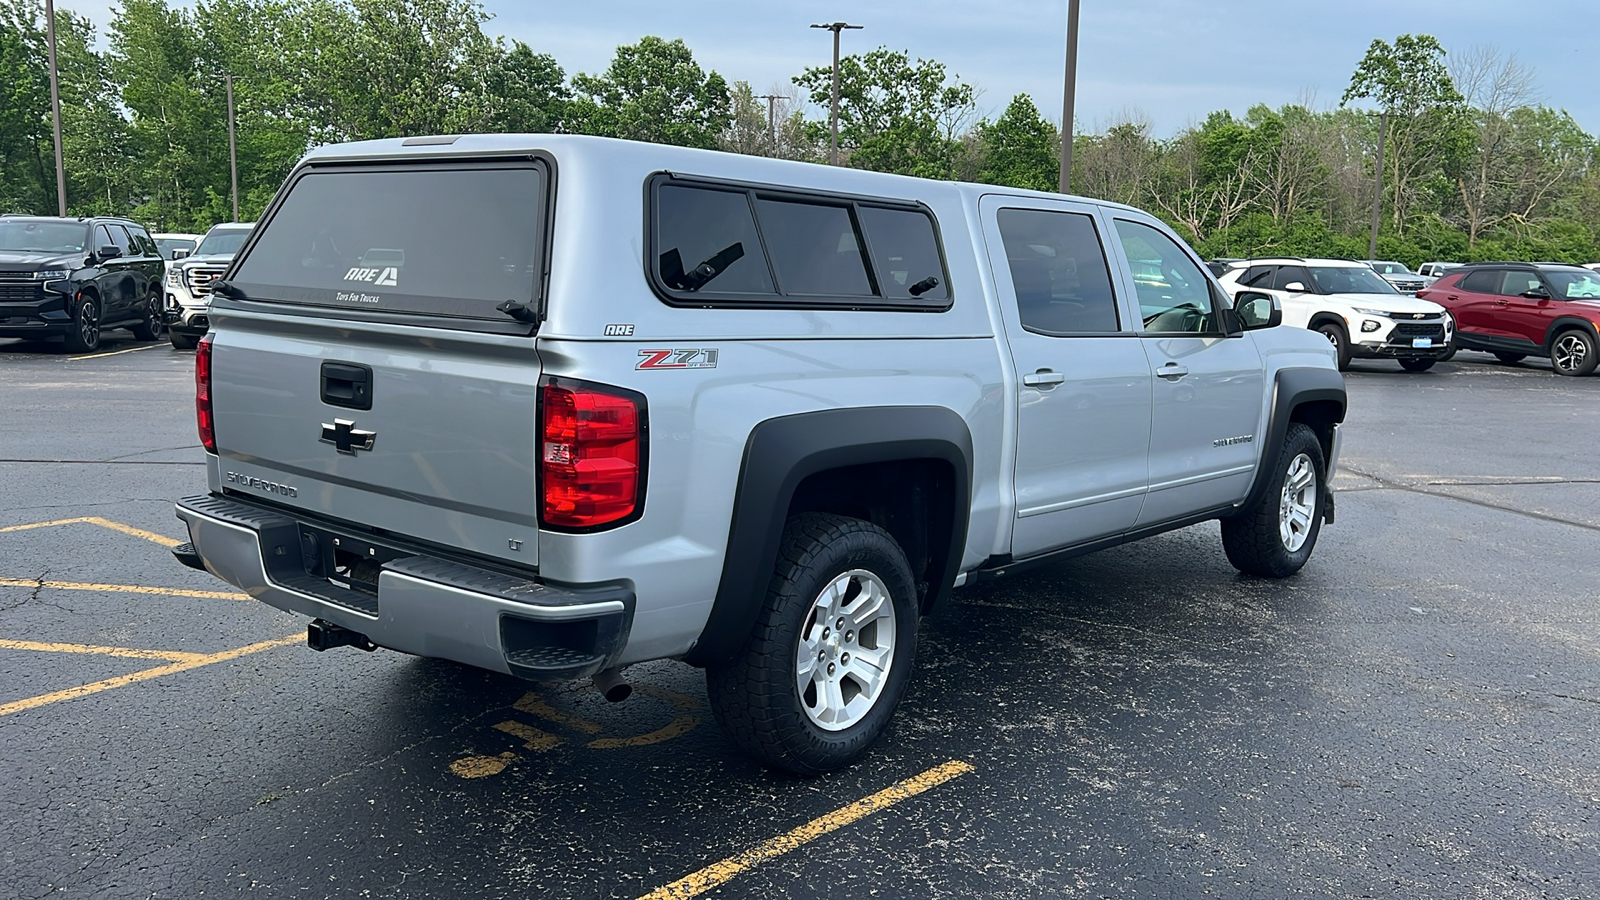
column 779, row 454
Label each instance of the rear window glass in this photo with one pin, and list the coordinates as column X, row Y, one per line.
column 715, row 244
column 445, row 241
column 814, row 248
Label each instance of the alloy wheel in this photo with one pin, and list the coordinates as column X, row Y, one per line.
column 846, row 650
column 1298, row 503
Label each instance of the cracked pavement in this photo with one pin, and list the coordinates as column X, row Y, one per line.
column 1416, row 715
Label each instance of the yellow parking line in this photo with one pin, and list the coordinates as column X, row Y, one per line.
column 121, row 589
column 129, row 652
column 719, row 873
column 122, row 680
column 112, row 353
column 161, row 539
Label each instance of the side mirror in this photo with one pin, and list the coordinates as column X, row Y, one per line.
column 1295, row 287
column 1257, row 310
column 179, row 253
column 1537, row 293
column 109, row 252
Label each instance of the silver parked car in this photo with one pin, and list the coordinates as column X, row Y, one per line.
column 757, row 415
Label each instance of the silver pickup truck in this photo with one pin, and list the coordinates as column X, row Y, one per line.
column 554, row 405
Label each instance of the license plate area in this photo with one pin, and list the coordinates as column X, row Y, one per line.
column 1422, row 343
column 343, row 560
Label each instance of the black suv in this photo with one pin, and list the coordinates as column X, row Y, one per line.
column 74, row 278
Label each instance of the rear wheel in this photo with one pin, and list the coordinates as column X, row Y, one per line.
column 1275, row 537
column 1417, row 365
column 831, row 652
column 1572, row 353
column 85, row 334
column 1336, row 336
column 150, row 328
column 1509, row 358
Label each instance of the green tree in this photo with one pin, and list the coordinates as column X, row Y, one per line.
column 896, row 116
column 1020, row 148
column 1425, row 113
column 652, row 91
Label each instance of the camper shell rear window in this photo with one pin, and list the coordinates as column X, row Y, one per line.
column 446, row 239
column 725, row 244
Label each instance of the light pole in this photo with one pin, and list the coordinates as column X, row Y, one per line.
column 1377, row 190
column 772, row 117
column 55, row 107
column 1069, row 88
column 833, row 115
column 233, row 151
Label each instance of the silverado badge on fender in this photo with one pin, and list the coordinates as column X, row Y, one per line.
column 346, row 437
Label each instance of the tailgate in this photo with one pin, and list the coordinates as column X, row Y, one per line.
column 373, row 356
column 446, row 453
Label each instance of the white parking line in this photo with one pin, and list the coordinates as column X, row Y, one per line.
column 112, row 353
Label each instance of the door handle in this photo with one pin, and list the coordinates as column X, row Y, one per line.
column 347, row 384
column 1044, row 378
column 1501, row 303
column 1172, row 370
column 1452, row 297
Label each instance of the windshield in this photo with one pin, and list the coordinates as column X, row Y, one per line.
column 222, row 241
column 42, row 237
column 1391, row 268
column 1575, row 285
column 167, row 245
column 433, row 241
column 1350, row 280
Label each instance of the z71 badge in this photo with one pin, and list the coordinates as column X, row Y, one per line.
column 702, row 358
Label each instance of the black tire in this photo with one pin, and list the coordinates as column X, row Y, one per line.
column 1253, row 537
column 1572, row 353
column 1449, row 354
column 1417, row 365
column 85, row 334
column 1336, row 336
column 756, row 696
column 182, row 341
column 150, row 328
column 1510, row 358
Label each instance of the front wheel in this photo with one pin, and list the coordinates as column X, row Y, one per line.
column 1275, row 536
column 85, row 334
column 1510, row 358
column 182, row 341
column 1417, row 365
column 831, row 651
column 1573, row 353
column 1334, row 332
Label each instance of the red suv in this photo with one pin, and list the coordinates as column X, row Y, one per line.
column 1516, row 310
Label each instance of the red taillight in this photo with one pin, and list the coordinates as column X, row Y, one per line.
column 590, row 455
column 202, row 394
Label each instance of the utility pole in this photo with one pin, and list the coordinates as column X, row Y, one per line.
column 833, row 115
column 233, row 150
column 1069, row 89
column 55, row 108
column 1377, row 190
column 772, row 116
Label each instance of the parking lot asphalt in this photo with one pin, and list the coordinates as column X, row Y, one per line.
column 1415, row 715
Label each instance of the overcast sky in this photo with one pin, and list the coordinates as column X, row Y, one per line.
column 1172, row 61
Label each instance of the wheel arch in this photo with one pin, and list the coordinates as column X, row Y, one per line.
column 908, row 469
column 1312, row 396
column 1568, row 323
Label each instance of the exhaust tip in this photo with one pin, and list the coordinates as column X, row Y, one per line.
column 611, row 686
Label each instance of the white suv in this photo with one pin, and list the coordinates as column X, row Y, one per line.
column 1354, row 307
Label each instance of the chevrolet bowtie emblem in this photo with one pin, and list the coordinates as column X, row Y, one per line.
column 346, row 437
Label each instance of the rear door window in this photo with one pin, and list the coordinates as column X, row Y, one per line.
column 1059, row 272
column 1259, row 277
column 439, row 241
column 1482, row 281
